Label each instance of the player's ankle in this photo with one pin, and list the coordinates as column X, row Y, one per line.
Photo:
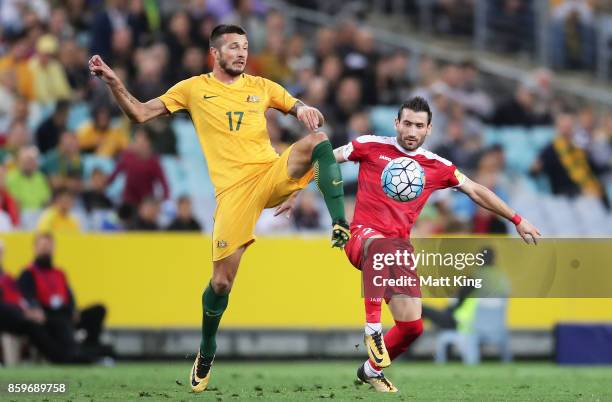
column 371, row 370
column 372, row 328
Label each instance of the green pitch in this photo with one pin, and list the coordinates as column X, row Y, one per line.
column 318, row 381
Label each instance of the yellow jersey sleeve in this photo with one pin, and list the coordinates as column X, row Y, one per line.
column 278, row 96
column 177, row 97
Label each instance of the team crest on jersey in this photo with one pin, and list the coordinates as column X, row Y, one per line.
column 384, row 157
column 253, row 99
column 221, row 244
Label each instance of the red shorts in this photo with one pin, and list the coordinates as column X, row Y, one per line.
column 383, row 277
column 354, row 247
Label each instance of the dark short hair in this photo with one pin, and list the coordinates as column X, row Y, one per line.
column 416, row 104
column 61, row 191
column 223, row 29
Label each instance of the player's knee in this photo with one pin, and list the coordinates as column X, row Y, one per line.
column 315, row 139
column 222, row 284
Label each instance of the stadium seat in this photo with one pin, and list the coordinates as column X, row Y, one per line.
column 541, row 136
column 176, row 176
column 78, row 115
column 591, row 213
column 188, row 143
column 381, row 120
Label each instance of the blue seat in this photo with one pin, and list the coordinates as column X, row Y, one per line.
column 187, row 139
column 175, row 175
column 382, row 120
column 78, row 115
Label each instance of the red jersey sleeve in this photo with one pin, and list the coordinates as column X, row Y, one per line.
column 356, row 150
column 452, row 177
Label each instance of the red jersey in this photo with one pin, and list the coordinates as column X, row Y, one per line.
column 373, row 208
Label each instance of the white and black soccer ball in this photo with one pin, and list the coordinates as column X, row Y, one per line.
column 403, row 179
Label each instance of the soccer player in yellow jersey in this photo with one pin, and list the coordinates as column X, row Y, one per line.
column 227, row 108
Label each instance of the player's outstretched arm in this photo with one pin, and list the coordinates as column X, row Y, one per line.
column 137, row 111
column 310, row 116
column 488, row 200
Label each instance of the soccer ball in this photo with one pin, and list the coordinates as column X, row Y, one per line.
column 403, row 179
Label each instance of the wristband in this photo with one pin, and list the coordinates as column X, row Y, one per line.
column 516, row 219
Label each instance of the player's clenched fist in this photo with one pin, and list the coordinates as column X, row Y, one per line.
column 99, row 68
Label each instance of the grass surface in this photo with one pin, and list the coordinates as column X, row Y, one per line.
column 287, row 381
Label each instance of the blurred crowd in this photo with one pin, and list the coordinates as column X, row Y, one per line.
column 54, row 115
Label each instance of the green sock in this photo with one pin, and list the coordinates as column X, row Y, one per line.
column 213, row 306
column 329, row 179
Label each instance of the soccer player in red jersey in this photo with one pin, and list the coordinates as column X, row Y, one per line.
column 377, row 216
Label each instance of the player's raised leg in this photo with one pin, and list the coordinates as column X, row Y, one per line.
column 214, row 302
column 316, row 152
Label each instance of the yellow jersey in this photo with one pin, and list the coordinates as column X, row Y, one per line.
column 231, row 123
column 52, row 220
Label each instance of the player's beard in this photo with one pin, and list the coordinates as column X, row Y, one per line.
column 411, row 147
column 229, row 69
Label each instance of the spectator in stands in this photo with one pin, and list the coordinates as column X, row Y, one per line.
column 15, row 60
column 19, row 318
column 184, row 220
column 193, row 63
column 348, row 101
column 162, row 136
column 600, row 145
column 393, row 82
column 45, row 285
column 8, row 205
column 100, row 137
column 142, row 171
column 271, row 63
column 360, row 61
column 573, row 34
column 58, row 217
column 325, row 45
column 245, row 15
column 63, row 165
column 521, row 110
column 74, row 59
column 8, row 97
column 484, row 221
column 146, row 218
column 49, row 131
column 455, row 17
column 458, row 79
column 149, row 82
column 178, row 37
column 50, row 82
column 457, row 146
column 16, row 138
column 94, row 197
column 109, row 19
column 570, row 169
column 513, row 26
column 27, row 184
column 306, row 214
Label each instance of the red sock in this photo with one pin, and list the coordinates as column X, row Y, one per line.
column 400, row 337
column 372, row 309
